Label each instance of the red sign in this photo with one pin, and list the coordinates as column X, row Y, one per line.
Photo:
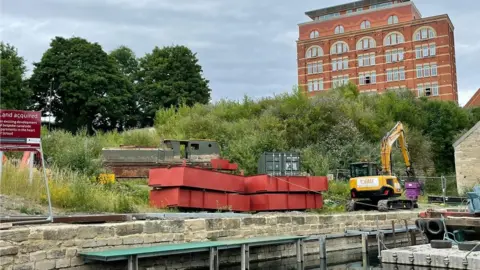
column 20, row 128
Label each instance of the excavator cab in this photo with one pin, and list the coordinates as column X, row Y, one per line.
column 360, row 169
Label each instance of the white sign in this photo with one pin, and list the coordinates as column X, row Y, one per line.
column 367, row 182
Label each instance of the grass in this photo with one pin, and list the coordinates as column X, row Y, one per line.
column 73, row 191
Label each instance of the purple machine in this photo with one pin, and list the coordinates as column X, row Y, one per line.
column 413, row 190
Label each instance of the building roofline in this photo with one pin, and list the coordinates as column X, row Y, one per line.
column 357, row 13
column 373, row 29
column 464, row 136
column 343, row 7
column 472, row 99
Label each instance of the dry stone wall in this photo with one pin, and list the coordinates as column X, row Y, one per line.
column 55, row 246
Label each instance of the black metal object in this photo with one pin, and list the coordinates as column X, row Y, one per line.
column 279, row 163
column 447, row 199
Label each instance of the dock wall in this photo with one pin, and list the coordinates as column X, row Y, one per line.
column 55, row 246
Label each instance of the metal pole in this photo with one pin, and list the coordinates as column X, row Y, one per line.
column 50, row 212
column 30, row 176
column 379, row 245
column 393, row 234
column 245, row 264
column 444, row 188
column 214, row 261
column 365, row 249
column 323, row 247
column 299, row 247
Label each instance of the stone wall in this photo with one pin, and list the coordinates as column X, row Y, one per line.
column 55, row 246
column 467, row 160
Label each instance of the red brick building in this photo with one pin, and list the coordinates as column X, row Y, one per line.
column 378, row 45
column 474, row 101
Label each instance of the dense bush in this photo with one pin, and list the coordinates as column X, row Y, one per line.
column 330, row 130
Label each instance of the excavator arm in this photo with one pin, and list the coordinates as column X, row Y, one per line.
column 397, row 133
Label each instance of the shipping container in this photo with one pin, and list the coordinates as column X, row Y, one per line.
column 279, row 163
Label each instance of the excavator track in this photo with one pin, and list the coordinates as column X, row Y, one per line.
column 386, row 205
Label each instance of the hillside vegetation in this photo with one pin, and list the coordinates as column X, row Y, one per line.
column 330, row 131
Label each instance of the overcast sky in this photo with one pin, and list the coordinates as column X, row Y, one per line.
column 244, row 46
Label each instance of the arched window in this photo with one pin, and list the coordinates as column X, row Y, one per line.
column 314, row 51
column 314, row 34
column 393, row 38
column 365, row 24
column 392, row 19
column 366, row 43
column 339, row 29
column 339, row 47
column 425, row 32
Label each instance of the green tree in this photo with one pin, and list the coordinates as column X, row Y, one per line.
column 170, row 76
column 128, row 65
column 85, row 84
column 444, row 121
column 14, row 92
column 126, row 61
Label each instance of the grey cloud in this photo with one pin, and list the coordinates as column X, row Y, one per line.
column 245, row 47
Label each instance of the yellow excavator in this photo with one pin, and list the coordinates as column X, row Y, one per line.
column 371, row 188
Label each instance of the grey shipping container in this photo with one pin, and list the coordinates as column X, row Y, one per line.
column 279, row 163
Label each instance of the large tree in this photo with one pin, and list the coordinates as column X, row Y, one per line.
column 167, row 77
column 126, row 60
column 128, row 64
column 85, row 84
column 14, row 93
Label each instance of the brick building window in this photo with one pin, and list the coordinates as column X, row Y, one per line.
column 339, row 29
column 367, row 59
column 427, row 89
column 315, row 85
column 369, row 77
column 395, row 74
column 315, row 67
column 393, row 39
column 340, row 80
column 425, row 50
column 392, row 19
column 314, row 34
column 365, row 24
column 339, row 63
column 314, row 51
column 424, row 33
column 366, row 43
column 426, row 70
column 339, row 47
column 396, row 55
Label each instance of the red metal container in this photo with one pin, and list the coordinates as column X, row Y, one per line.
column 266, row 183
column 284, row 201
column 198, row 199
column 195, row 178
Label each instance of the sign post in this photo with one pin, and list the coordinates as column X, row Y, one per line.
column 20, row 131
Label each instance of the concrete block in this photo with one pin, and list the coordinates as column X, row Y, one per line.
column 284, row 220
column 132, row 240
column 231, row 223
column 247, row 221
column 195, row 225
column 6, row 260
column 213, row 224
column 75, row 261
column 128, row 229
column 45, row 265
column 175, row 226
column 71, row 252
column 311, row 219
column 38, row 256
column 20, row 259
column 66, row 233
column 68, row 243
column 298, row 220
column 86, row 232
column 15, row 235
column 12, row 250
column 94, row 243
column 35, row 235
column 271, row 220
column 117, row 241
column 26, row 266
column 56, row 254
column 62, row 263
